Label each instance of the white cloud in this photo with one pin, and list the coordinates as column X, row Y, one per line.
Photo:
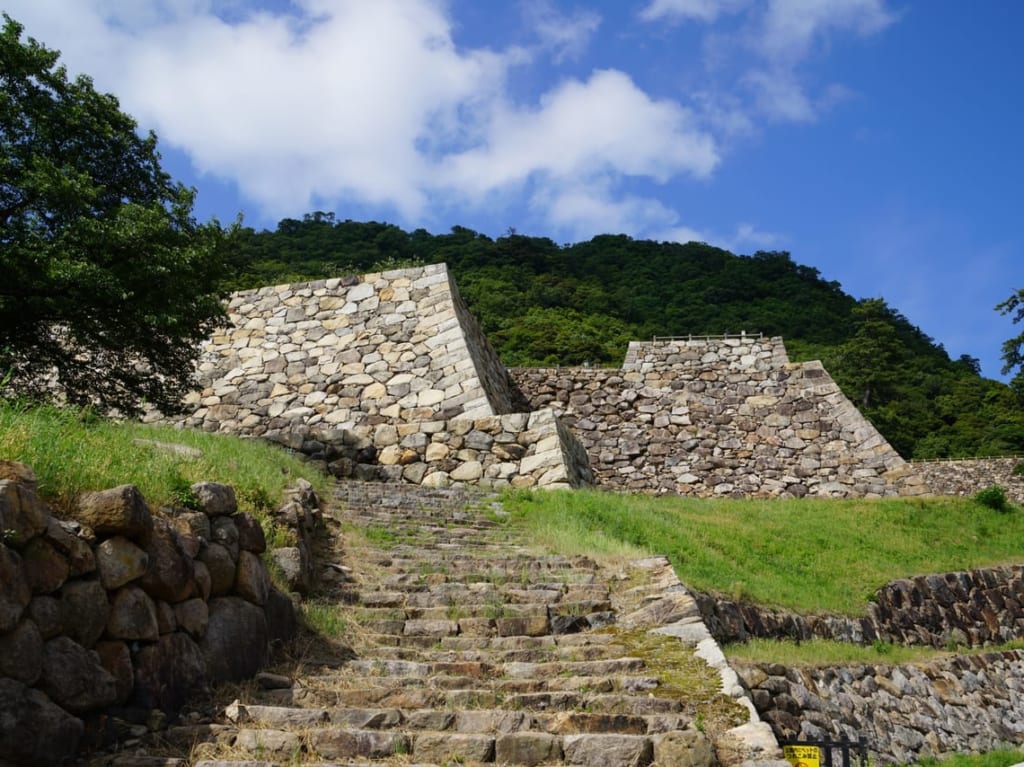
column 339, row 100
column 746, row 238
column 787, row 34
column 566, row 34
column 699, row 10
column 594, row 208
column 790, row 28
column 581, row 129
column 328, row 102
column 779, row 96
column 772, row 48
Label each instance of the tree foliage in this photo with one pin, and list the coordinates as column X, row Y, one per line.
column 542, row 303
column 109, row 283
column 1013, row 348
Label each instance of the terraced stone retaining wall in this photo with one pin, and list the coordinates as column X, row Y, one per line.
column 124, row 610
column 721, row 417
column 968, row 703
column 515, row 450
column 968, row 476
column 395, row 346
column 334, row 368
column 972, row 608
column 964, row 703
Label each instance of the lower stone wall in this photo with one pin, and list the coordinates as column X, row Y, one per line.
column 714, row 430
column 121, row 609
column 969, row 703
column 968, row 609
column 518, row 450
column 968, row 476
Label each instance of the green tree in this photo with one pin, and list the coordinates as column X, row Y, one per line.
column 1013, row 349
column 869, row 361
column 109, row 284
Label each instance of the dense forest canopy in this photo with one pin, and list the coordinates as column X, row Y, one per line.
column 542, row 303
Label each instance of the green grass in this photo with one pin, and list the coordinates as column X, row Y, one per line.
column 807, row 555
column 991, row 759
column 72, row 451
column 826, row 652
column 325, row 618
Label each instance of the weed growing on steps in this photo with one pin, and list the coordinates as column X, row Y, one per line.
column 683, row 676
column 326, row 618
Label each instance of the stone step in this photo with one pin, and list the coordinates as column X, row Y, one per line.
column 430, row 749
column 404, row 587
column 248, row 716
column 536, row 655
column 474, row 633
column 471, row 649
column 468, row 693
column 312, row 685
column 385, row 667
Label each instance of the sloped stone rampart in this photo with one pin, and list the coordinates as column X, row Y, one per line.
column 968, row 476
column 336, row 368
column 721, row 417
column 396, row 346
column 968, row 703
column 971, row 608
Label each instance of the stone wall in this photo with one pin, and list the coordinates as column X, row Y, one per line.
column 721, row 417
column 336, row 368
column 516, row 450
column 963, row 703
column 396, row 347
column 966, row 477
column 971, row 608
column 968, row 703
column 123, row 610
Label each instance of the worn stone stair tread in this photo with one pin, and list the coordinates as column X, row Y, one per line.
column 468, row 648
column 583, row 652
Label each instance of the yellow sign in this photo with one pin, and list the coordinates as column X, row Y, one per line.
column 802, row 756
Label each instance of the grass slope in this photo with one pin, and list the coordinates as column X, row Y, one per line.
column 72, row 451
column 807, row 555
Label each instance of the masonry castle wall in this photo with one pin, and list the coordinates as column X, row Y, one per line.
column 721, row 417
column 396, row 346
column 968, row 476
column 970, row 608
column 387, row 376
column 968, row 703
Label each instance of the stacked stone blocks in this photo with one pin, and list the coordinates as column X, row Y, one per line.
column 389, row 377
column 721, row 417
column 122, row 606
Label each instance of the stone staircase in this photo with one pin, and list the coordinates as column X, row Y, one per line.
column 461, row 645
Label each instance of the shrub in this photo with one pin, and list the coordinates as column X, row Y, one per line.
column 1018, row 470
column 994, row 497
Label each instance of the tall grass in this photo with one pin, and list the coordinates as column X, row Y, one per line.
column 828, row 652
column 807, row 554
column 991, row 759
column 72, row 451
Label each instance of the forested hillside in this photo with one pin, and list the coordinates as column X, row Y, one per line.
column 541, row 303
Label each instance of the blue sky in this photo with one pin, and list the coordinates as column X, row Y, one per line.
column 878, row 141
